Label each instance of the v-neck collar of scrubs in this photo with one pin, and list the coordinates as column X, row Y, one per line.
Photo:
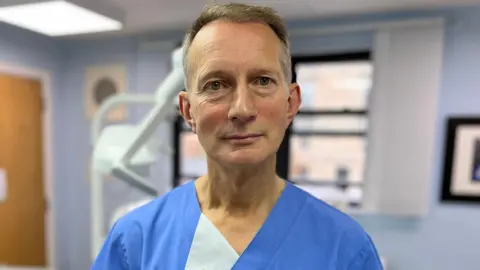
column 210, row 250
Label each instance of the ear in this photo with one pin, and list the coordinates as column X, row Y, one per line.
column 184, row 104
column 294, row 101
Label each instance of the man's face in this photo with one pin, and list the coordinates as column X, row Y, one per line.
column 238, row 102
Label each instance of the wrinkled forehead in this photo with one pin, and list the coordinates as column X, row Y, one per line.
column 234, row 45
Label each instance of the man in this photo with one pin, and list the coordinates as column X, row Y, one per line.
column 241, row 215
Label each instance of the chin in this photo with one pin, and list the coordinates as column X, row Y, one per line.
column 245, row 157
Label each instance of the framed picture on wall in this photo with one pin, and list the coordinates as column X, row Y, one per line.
column 102, row 82
column 461, row 171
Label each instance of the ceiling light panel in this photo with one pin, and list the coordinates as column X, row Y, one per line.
column 57, row 18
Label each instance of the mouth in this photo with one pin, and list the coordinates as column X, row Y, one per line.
column 244, row 138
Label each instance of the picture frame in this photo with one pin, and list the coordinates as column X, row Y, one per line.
column 101, row 82
column 461, row 168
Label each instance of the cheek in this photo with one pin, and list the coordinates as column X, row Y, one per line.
column 210, row 119
column 274, row 112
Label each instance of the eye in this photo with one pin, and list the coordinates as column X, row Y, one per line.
column 215, row 85
column 264, row 81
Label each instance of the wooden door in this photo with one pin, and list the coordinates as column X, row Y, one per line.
column 22, row 212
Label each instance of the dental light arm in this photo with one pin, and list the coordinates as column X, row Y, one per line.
column 120, row 149
column 110, row 104
column 165, row 95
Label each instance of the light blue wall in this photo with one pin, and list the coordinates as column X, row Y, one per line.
column 446, row 239
column 145, row 71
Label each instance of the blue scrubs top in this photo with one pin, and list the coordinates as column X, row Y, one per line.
column 301, row 232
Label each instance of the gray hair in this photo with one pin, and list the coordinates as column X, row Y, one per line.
column 242, row 13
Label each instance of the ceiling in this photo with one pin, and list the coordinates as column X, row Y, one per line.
column 147, row 15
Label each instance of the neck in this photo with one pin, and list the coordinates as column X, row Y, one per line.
column 240, row 191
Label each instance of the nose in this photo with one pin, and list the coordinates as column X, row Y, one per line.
column 242, row 107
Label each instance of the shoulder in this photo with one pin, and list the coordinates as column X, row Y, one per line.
column 348, row 239
column 123, row 246
column 130, row 236
column 154, row 211
column 330, row 217
column 132, row 228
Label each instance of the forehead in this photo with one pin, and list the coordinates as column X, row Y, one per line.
column 231, row 44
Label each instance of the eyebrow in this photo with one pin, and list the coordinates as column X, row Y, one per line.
column 212, row 74
column 266, row 71
column 223, row 73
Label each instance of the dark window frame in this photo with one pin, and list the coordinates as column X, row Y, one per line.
column 329, row 58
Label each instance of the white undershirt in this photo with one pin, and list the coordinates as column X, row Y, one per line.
column 209, row 249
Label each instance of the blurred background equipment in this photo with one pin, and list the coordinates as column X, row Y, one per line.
column 128, row 151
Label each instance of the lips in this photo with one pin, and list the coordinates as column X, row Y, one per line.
column 243, row 136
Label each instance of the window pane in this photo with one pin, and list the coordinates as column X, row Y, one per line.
column 327, row 159
column 193, row 160
column 350, row 197
column 338, row 123
column 334, row 86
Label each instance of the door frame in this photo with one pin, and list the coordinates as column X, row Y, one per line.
column 48, row 173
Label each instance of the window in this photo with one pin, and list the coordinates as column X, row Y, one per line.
column 326, row 159
column 327, row 139
column 193, row 161
column 189, row 157
column 308, row 95
column 335, row 85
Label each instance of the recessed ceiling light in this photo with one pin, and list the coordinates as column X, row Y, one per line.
column 59, row 17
